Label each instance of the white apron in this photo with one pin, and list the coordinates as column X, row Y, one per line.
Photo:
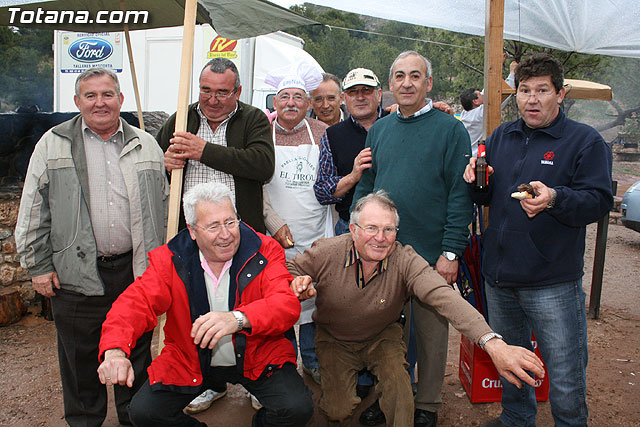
column 292, row 197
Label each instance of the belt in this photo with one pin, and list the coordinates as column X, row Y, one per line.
column 112, row 258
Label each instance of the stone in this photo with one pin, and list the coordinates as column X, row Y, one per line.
column 5, row 232
column 7, row 274
column 9, row 246
column 9, row 213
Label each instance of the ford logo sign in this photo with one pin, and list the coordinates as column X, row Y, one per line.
column 90, row 50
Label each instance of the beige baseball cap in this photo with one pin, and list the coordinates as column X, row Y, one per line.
column 360, row 76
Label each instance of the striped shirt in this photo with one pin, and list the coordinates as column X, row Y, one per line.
column 197, row 172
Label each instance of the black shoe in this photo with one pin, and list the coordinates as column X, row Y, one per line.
column 363, row 391
column 372, row 416
column 494, row 423
column 422, row 418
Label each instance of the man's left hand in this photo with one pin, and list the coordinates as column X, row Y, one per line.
column 539, row 203
column 209, row 328
column 512, row 361
column 186, row 145
column 447, row 269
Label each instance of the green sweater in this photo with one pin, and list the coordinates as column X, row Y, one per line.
column 420, row 161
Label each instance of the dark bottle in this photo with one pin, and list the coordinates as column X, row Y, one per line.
column 482, row 176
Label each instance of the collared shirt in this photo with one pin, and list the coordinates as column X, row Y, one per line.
column 197, row 172
column 421, row 111
column 353, row 257
column 328, row 177
column 282, row 129
column 223, row 353
column 108, row 197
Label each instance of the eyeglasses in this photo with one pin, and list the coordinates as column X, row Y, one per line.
column 365, row 91
column 527, row 94
column 229, row 225
column 218, row 96
column 329, row 98
column 372, row 230
column 297, row 98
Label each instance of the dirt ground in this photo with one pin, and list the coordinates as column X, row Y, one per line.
column 31, row 395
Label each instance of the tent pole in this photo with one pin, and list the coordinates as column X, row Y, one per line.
column 134, row 78
column 493, row 47
column 186, row 66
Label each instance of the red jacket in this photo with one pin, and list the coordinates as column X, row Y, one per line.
column 174, row 284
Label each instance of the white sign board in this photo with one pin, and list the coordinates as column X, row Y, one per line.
column 81, row 51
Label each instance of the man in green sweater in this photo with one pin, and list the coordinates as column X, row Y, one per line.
column 418, row 156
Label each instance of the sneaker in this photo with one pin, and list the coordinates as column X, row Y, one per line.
column 314, row 373
column 202, row 402
column 255, row 403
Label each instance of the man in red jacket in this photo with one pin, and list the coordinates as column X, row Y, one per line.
column 225, row 291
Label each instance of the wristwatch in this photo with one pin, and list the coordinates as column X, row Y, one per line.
column 449, row 255
column 240, row 318
column 488, row 337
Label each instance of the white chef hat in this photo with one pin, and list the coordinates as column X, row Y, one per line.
column 300, row 75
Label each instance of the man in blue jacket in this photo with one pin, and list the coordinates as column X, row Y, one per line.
column 534, row 248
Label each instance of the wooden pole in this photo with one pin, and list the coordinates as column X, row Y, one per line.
column 186, row 68
column 493, row 47
column 598, row 261
column 184, row 89
column 134, row 77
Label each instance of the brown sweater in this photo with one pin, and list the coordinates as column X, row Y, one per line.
column 349, row 313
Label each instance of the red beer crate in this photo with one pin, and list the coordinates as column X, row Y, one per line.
column 480, row 378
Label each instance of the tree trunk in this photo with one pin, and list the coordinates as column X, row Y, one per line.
column 12, row 307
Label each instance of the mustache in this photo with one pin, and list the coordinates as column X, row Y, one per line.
column 295, row 109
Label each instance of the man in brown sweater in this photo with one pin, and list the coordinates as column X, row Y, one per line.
column 363, row 280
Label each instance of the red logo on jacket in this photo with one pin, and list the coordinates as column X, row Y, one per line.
column 549, row 155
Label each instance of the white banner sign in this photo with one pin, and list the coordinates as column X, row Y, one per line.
column 81, row 51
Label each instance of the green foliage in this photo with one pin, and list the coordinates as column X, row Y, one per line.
column 26, row 68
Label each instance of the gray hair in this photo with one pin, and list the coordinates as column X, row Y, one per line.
column 94, row 72
column 212, row 192
column 406, row 53
column 220, row 65
column 328, row 76
column 381, row 197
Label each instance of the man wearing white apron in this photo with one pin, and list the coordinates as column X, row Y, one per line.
column 292, row 214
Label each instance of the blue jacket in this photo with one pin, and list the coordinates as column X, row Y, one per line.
column 571, row 158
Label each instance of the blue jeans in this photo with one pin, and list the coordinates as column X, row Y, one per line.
column 557, row 316
column 306, row 336
column 341, row 227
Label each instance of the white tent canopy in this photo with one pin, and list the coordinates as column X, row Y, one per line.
column 604, row 27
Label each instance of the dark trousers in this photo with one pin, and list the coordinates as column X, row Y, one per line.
column 78, row 320
column 285, row 398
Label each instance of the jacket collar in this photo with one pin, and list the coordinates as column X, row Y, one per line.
column 72, row 131
column 554, row 130
column 188, row 266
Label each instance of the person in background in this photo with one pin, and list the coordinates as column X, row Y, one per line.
column 472, row 116
column 326, row 100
